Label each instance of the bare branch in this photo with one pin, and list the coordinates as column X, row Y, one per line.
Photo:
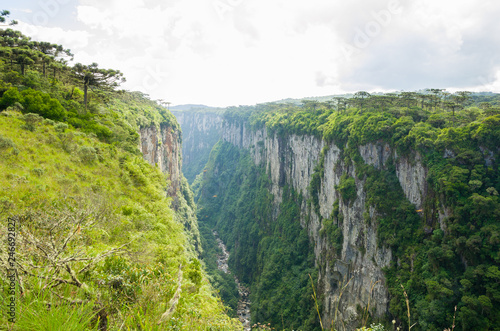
column 173, row 302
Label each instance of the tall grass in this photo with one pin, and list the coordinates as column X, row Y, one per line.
column 35, row 314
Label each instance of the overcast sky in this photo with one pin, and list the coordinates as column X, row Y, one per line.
column 237, row 52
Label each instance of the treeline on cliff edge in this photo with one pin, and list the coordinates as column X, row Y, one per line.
column 441, row 265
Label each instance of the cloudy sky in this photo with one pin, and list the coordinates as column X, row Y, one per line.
column 236, row 52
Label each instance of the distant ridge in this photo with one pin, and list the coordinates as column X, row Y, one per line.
column 190, row 107
column 298, row 101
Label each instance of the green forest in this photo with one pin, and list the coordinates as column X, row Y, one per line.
column 442, row 278
column 274, row 257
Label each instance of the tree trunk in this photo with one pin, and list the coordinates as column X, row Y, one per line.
column 85, row 90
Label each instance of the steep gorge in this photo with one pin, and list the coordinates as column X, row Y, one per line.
column 374, row 214
column 200, row 131
column 291, row 160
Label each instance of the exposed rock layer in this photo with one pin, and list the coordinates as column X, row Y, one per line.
column 162, row 147
column 200, row 132
column 355, row 273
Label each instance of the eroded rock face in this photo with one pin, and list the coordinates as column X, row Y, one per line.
column 355, row 273
column 412, row 177
column 161, row 147
column 200, row 132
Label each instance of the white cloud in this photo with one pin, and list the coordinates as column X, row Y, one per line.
column 223, row 52
column 75, row 39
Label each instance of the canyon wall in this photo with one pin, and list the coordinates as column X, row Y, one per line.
column 200, row 131
column 161, row 147
column 353, row 276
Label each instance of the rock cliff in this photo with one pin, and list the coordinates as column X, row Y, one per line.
column 352, row 277
column 161, row 147
column 200, row 131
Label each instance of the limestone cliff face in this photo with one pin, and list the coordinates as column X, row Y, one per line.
column 162, row 147
column 358, row 266
column 200, row 132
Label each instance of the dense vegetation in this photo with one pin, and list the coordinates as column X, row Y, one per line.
column 446, row 255
column 274, row 257
column 98, row 244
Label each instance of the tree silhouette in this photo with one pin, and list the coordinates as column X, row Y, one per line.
column 452, row 105
column 25, row 58
column 462, row 97
column 435, row 96
column 408, row 99
column 341, row 103
column 92, row 76
column 50, row 52
column 360, row 98
column 3, row 18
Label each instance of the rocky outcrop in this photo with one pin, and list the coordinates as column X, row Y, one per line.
column 200, row 132
column 412, row 177
column 352, row 277
column 161, row 147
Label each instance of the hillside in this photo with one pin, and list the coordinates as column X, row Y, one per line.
column 101, row 224
column 389, row 202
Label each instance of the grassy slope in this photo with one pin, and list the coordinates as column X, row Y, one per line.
column 47, row 170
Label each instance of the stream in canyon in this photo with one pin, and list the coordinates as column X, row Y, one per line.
column 243, row 309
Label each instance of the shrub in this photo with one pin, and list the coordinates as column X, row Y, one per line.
column 9, row 98
column 87, row 154
column 31, row 120
column 347, row 188
column 42, row 104
column 61, row 127
column 38, row 172
column 6, row 143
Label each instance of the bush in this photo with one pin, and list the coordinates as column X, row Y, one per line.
column 9, row 98
column 6, row 143
column 347, row 188
column 87, row 154
column 42, row 104
column 38, row 172
column 31, row 120
column 61, row 127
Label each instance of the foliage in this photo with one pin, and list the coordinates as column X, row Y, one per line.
column 92, row 76
column 59, row 160
column 446, row 254
column 46, row 180
column 273, row 256
column 36, row 315
column 347, row 188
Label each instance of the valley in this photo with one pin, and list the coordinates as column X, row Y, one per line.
column 356, row 211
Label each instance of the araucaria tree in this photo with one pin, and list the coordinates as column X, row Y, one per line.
column 3, row 15
column 92, row 76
